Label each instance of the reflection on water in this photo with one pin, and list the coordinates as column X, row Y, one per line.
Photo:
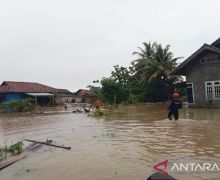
column 124, row 146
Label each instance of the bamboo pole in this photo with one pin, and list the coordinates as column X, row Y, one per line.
column 45, row 143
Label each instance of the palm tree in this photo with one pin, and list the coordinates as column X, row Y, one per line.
column 144, row 55
column 155, row 62
column 162, row 64
column 147, row 52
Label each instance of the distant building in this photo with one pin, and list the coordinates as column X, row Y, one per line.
column 64, row 96
column 85, row 96
column 202, row 71
column 42, row 94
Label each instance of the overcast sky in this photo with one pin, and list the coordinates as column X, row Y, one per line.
column 70, row 43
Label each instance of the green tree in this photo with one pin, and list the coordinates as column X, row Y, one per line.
column 144, row 55
column 147, row 79
column 154, row 69
column 121, row 75
column 158, row 63
column 147, row 52
column 113, row 92
column 96, row 90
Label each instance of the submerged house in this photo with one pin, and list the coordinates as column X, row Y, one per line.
column 202, row 72
column 42, row 94
column 85, row 96
column 64, row 96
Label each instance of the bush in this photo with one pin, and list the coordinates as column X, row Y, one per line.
column 11, row 150
column 20, row 105
column 113, row 92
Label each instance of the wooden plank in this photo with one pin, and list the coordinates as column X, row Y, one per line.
column 45, row 143
column 13, row 159
column 22, row 155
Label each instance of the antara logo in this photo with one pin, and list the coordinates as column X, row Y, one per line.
column 161, row 164
column 187, row 167
column 196, row 167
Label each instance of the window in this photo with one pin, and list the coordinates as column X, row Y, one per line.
column 212, row 90
column 210, row 59
column 217, row 89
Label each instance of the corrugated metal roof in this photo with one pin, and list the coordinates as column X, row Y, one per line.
column 39, row 94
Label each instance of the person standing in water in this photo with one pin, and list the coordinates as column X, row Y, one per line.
column 174, row 106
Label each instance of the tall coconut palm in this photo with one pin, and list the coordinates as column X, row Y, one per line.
column 144, row 54
column 162, row 63
column 159, row 64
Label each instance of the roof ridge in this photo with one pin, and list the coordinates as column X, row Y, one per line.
column 216, row 42
column 15, row 86
column 28, row 82
column 192, row 56
column 21, row 82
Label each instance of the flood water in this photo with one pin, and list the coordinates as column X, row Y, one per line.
column 124, row 146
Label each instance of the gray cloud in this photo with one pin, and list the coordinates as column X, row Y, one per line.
column 68, row 44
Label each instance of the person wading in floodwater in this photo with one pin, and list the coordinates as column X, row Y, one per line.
column 174, row 106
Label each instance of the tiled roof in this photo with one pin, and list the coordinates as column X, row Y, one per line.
column 64, row 91
column 84, row 92
column 27, row 87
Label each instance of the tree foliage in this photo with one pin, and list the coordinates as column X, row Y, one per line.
column 113, row 91
column 148, row 78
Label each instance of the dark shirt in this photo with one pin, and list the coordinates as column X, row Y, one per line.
column 175, row 105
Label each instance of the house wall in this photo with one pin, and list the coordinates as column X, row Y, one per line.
column 78, row 99
column 198, row 74
column 13, row 96
column 91, row 99
column 20, row 96
column 65, row 99
column 85, row 99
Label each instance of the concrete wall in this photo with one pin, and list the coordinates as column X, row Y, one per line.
column 70, row 99
column 65, row 99
column 198, row 74
column 78, row 99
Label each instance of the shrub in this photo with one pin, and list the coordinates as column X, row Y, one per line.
column 20, row 105
column 11, row 150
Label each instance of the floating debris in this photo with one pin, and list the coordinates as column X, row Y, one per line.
column 49, row 144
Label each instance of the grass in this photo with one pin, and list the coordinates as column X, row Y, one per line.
column 12, row 150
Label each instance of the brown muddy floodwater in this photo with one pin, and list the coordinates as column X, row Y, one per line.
column 124, row 146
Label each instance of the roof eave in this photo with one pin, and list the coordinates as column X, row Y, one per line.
column 178, row 72
column 180, row 69
column 216, row 42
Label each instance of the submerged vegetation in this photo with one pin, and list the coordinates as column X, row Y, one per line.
column 19, row 105
column 12, row 150
column 100, row 112
column 147, row 79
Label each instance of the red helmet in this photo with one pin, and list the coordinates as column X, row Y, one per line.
column 176, row 95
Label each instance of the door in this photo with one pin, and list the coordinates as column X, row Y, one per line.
column 189, row 92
